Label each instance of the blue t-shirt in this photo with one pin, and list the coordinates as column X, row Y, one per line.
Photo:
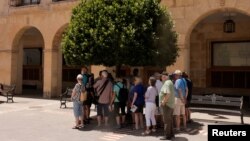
column 139, row 89
column 180, row 84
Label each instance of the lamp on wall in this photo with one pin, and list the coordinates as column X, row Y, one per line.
column 229, row 25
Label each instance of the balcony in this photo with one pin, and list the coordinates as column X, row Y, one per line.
column 16, row 3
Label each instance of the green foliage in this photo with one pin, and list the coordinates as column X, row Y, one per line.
column 120, row 32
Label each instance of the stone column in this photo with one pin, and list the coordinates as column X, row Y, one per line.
column 186, row 59
column 5, row 66
column 183, row 61
column 50, row 74
column 17, row 69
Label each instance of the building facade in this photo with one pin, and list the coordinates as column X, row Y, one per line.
column 31, row 56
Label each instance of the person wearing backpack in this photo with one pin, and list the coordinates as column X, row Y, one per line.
column 120, row 97
column 88, row 102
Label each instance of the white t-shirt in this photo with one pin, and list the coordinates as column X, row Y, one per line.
column 150, row 94
column 158, row 85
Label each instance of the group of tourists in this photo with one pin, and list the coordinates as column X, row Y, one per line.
column 167, row 95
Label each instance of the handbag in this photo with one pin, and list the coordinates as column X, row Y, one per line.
column 83, row 96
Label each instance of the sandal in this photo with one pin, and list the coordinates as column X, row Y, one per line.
column 81, row 126
column 75, row 127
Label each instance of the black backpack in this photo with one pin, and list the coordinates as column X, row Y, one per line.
column 123, row 94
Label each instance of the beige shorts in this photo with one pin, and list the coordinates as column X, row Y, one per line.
column 179, row 108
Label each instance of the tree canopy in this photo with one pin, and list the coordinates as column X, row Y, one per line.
column 120, row 32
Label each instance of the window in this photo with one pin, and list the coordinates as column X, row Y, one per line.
column 32, row 56
column 69, row 73
column 16, row 3
column 231, row 54
column 32, row 63
column 62, row 0
column 27, row 2
column 230, row 65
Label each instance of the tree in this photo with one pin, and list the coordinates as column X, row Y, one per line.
column 120, row 32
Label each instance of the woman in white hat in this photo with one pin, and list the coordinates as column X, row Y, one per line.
column 77, row 105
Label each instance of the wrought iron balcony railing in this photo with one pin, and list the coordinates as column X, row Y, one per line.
column 16, row 3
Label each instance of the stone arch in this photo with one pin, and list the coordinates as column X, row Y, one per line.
column 206, row 14
column 17, row 56
column 184, row 41
column 19, row 35
column 198, row 73
column 58, row 36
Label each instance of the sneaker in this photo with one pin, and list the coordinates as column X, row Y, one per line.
column 81, row 126
column 147, row 132
column 75, row 127
column 118, row 127
column 133, row 128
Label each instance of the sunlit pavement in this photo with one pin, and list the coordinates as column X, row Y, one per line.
column 30, row 119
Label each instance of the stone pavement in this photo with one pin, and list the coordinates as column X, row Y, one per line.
column 30, row 119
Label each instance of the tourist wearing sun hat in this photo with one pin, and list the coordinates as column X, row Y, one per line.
column 77, row 104
column 180, row 99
